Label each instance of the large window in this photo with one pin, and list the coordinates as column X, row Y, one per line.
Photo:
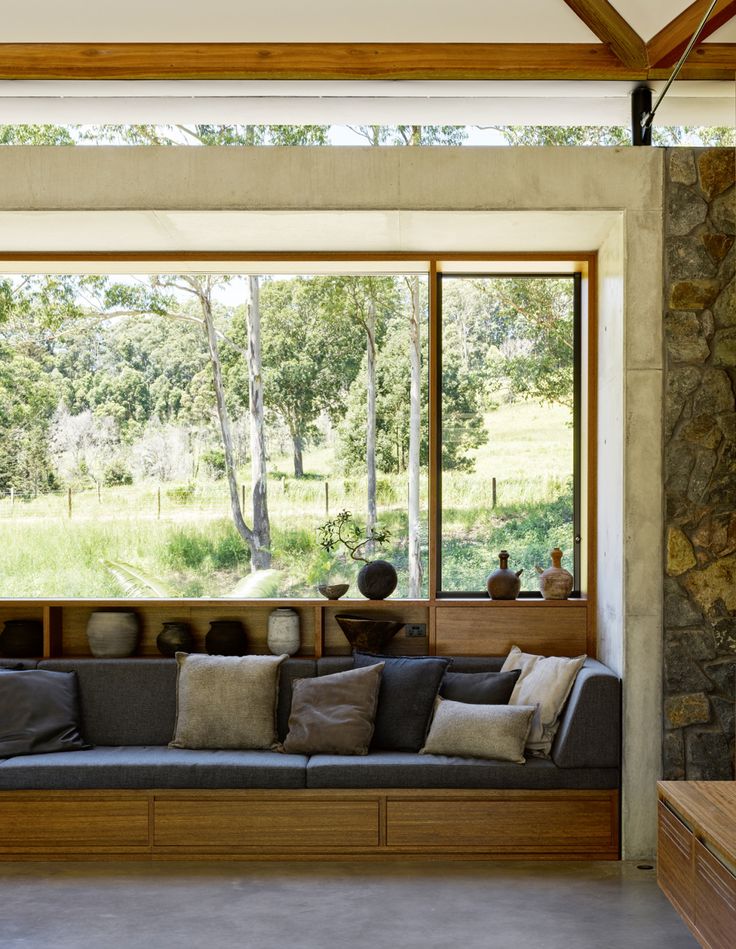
column 169, row 435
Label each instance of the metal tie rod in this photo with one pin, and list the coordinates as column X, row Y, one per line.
column 648, row 117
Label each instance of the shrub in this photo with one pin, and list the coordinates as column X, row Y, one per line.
column 116, row 474
column 181, row 494
column 214, row 461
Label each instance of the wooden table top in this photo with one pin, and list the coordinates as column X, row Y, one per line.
column 709, row 806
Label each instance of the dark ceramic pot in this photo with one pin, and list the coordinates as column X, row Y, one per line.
column 377, row 580
column 175, row 637
column 364, row 633
column 504, row 584
column 226, row 637
column 22, row 638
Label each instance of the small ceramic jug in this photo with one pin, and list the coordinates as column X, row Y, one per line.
column 555, row 582
column 504, row 584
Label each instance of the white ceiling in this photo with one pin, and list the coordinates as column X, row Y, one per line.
column 485, row 21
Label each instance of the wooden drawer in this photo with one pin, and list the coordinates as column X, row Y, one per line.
column 715, row 900
column 72, row 824
column 265, row 824
column 472, row 631
column 675, row 861
column 562, row 824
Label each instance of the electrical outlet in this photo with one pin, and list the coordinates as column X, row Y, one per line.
column 416, row 629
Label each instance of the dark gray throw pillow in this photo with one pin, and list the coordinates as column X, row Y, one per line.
column 406, row 698
column 479, row 688
column 333, row 714
column 39, row 712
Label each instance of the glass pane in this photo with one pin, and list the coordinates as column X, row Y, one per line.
column 145, row 452
column 507, row 426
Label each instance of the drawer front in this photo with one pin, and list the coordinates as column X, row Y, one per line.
column 562, row 825
column 715, row 900
column 472, row 631
column 265, row 824
column 675, row 861
column 73, row 824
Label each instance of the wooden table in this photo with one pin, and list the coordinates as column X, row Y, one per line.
column 696, row 866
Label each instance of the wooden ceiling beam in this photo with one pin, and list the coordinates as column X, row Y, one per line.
column 346, row 61
column 666, row 47
column 612, row 30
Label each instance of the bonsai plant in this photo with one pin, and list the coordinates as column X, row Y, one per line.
column 377, row 579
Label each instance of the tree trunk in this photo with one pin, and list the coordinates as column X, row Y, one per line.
column 227, row 438
column 415, row 436
column 296, row 441
column 261, row 525
column 370, row 437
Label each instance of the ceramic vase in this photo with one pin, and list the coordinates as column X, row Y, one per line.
column 555, row 582
column 175, row 637
column 226, row 637
column 377, row 579
column 112, row 634
column 22, row 638
column 504, row 584
column 283, row 631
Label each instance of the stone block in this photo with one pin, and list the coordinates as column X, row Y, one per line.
column 716, row 170
column 683, row 710
column 681, row 382
column 724, row 348
column 724, row 635
column 702, row 430
column 723, row 212
column 723, row 675
column 682, row 166
column 713, row 585
column 685, row 210
column 715, row 394
column 724, row 308
column 688, row 257
column 679, row 610
column 717, row 245
column 680, row 556
column 685, row 340
column 725, row 715
column 694, row 294
column 673, row 756
column 684, row 649
column 705, row 463
column 708, row 756
column 679, row 462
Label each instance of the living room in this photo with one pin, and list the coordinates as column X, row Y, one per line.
column 501, row 337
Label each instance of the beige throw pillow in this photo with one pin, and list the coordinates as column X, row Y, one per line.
column 334, row 714
column 545, row 681
column 479, row 731
column 226, row 701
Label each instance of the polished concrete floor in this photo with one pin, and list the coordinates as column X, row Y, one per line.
column 335, row 906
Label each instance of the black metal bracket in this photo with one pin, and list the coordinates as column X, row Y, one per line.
column 641, row 106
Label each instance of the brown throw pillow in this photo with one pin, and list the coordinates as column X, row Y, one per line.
column 334, row 714
column 226, row 701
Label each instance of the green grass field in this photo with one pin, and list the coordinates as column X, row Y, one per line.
column 192, row 546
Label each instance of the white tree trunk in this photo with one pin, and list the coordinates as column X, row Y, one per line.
column 227, row 438
column 415, row 436
column 261, row 525
column 370, row 437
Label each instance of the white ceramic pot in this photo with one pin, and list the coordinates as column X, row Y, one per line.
column 112, row 635
column 283, row 631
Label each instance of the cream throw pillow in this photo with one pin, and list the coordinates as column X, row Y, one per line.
column 545, row 681
column 479, row 731
column 226, row 701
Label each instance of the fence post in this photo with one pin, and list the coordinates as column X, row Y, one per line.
column 242, row 498
column 494, row 491
column 327, row 498
column 99, row 495
column 12, row 499
column 69, row 501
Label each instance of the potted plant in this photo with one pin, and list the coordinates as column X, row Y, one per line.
column 377, row 579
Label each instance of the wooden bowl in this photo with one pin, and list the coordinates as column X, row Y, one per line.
column 333, row 591
column 368, row 634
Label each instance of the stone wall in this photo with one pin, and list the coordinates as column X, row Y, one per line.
column 700, row 464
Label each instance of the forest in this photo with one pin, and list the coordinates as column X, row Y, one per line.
column 169, row 434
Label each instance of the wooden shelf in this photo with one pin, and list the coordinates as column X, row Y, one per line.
column 462, row 626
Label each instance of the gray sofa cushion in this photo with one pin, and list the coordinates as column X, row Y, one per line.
column 395, row 769
column 133, row 701
column 589, row 735
column 18, row 663
column 153, row 767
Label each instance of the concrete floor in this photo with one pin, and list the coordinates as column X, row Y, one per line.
column 335, row 906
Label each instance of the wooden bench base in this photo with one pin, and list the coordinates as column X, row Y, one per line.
column 309, row 825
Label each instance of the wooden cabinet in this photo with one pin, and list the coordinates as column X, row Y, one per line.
column 696, row 866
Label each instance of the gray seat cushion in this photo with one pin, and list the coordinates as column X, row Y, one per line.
column 152, row 767
column 395, row 769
